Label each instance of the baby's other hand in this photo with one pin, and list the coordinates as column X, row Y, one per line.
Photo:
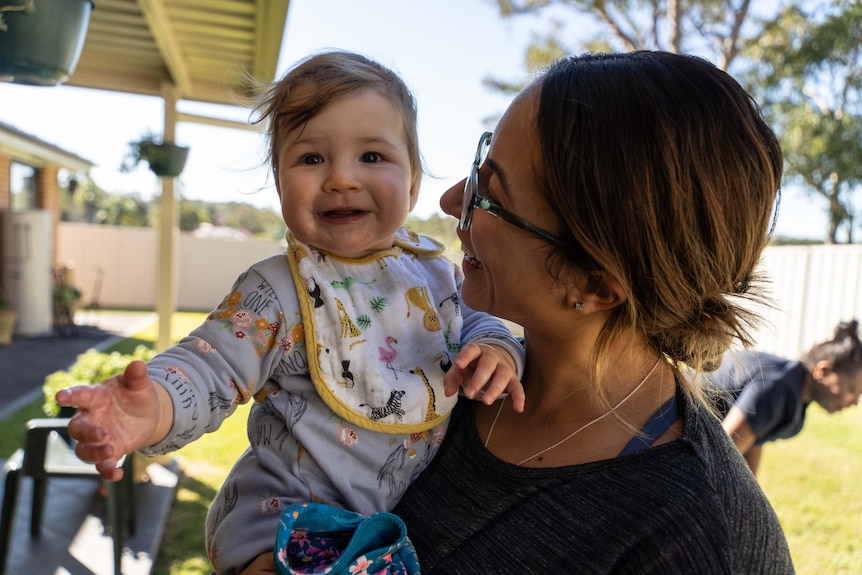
column 485, row 371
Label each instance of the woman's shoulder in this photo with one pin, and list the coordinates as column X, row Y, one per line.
column 724, row 471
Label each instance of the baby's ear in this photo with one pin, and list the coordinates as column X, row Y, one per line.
column 414, row 196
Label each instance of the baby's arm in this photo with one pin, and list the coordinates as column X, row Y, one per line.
column 117, row 417
column 190, row 388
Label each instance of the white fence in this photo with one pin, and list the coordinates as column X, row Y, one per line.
column 118, row 266
column 815, row 287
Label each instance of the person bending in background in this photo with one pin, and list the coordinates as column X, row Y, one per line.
column 764, row 397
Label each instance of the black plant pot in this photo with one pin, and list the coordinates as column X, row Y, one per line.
column 167, row 159
column 41, row 47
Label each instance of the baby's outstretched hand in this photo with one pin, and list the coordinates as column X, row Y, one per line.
column 485, row 371
column 116, row 417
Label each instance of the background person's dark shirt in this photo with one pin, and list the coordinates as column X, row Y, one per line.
column 768, row 390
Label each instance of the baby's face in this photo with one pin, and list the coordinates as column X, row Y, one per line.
column 345, row 176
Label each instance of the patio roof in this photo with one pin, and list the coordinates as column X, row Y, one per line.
column 202, row 47
column 23, row 147
column 196, row 50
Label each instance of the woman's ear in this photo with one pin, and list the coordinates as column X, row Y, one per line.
column 599, row 292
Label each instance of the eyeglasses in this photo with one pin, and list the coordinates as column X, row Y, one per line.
column 473, row 200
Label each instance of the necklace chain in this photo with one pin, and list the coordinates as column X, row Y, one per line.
column 581, row 428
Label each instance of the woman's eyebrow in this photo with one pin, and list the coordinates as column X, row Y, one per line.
column 497, row 170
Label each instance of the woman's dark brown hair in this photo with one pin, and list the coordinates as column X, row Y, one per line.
column 667, row 177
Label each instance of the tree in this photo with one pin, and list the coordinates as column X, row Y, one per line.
column 715, row 29
column 809, row 66
column 802, row 61
column 84, row 200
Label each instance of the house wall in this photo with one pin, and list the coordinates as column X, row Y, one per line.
column 47, row 160
column 47, row 197
column 814, row 287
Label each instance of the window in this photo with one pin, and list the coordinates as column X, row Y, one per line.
column 24, row 196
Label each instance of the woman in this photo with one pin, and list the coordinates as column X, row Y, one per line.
column 633, row 195
column 765, row 397
column 617, row 213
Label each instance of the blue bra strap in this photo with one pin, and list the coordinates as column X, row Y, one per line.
column 660, row 422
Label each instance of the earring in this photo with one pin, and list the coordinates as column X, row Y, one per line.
column 579, row 306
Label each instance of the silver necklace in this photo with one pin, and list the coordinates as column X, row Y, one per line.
column 581, row 428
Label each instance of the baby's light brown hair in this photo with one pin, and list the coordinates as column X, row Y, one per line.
column 318, row 80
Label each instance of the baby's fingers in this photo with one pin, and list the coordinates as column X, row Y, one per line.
column 482, row 380
column 468, row 354
column 83, row 396
column 502, row 383
column 109, row 470
column 516, row 394
column 452, row 381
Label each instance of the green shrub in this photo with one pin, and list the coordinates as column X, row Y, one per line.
column 92, row 367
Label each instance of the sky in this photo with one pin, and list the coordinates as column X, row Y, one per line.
column 442, row 48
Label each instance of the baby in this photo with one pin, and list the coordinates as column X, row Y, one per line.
column 343, row 342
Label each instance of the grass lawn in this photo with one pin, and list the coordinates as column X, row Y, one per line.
column 810, row 480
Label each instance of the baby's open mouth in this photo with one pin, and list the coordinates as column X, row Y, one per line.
column 336, row 214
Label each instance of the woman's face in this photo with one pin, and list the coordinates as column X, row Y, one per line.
column 505, row 270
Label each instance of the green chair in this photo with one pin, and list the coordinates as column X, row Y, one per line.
column 49, row 453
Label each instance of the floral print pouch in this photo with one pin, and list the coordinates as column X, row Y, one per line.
column 315, row 539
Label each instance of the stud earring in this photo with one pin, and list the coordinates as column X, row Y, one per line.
column 579, row 306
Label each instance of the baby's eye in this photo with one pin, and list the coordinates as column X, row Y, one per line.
column 371, row 157
column 312, row 159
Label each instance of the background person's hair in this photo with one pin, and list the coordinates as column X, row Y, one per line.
column 844, row 350
column 666, row 177
column 318, row 80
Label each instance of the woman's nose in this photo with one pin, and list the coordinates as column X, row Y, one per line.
column 451, row 200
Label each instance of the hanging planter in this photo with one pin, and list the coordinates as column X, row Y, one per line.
column 164, row 158
column 41, row 40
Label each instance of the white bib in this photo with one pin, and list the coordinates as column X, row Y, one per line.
column 380, row 331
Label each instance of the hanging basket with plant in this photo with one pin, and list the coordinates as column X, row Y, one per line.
column 164, row 158
column 41, row 40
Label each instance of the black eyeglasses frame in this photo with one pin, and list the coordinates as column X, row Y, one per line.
column 472, row 200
